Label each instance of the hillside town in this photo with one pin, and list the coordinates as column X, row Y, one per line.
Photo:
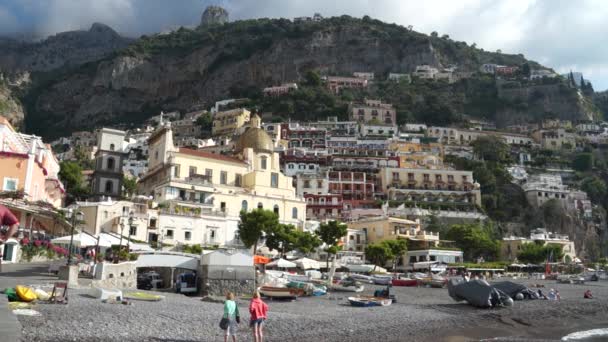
column 305, row 179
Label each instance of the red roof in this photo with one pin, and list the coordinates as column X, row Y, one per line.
column 209, row 155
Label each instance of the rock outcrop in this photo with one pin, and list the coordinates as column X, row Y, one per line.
column 214, row 15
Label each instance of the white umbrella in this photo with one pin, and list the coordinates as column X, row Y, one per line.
column 281, row 263
column 307, row 264
column 78, row 240
column 108, row 240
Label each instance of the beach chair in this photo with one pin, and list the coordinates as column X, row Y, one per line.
column 56, row 296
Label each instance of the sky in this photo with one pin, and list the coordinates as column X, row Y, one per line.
column 562, row 34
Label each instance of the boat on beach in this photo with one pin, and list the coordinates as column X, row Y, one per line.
column 363, row 278
column 280, row 292
column 346, row 285
column 382, row 279
column 405, row 282
column 368, row 301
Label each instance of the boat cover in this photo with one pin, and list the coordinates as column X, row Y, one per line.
column 477, row 293
column 512, row 289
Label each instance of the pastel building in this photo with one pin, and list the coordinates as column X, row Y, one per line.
column 373, row 110
column 229, row 122
column 512, row 245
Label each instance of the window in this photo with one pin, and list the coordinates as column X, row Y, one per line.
column 209, row 174
column 109, row 186
column 290, row 166
column 105, row 214
column 223, row 177
column 274, row 180
column 223, row 207
column 132, row 230
column 176, row 171
column 351, row 237
column 294, row 213
column 156, row 155
column 110, row 163
column 395, row 176
column 170, row 233
column 192, row 171
column 306, row 184
column 276, row 209
column 319, row 184
column 410, row 176
column 10, row 184
column 260, row 205
column 244, row 205
column 187, row 236
column 152, row 223
column 263, row 162
column 238, row 179
column 112, row 147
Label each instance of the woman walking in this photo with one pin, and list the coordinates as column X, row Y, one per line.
column 231, row 317
column 258, row 310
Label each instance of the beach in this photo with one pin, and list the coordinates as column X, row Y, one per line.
column 421, row 314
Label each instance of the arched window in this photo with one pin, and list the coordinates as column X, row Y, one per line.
column 110, row 163
column 264, row 162
column 276, row 209
column 294, row 213
column 260, row 205
column 244, row 205
column 112, row 147
column 109, row 186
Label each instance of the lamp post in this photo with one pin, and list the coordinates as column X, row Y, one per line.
column 131, row 219
column 75, row 217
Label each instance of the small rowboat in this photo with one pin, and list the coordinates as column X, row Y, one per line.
column 281, row 292
column 382, row 279
column 405, row 282
column 369, row 301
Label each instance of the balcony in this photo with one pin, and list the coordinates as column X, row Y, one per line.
column 191, row 211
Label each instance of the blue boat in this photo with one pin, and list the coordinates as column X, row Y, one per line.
column 369, row 301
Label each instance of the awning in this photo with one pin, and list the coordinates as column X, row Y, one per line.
column 141, row 247
column 78, row 240
column 308, row 264
column 281, row 263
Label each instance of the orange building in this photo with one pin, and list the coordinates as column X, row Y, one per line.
column 28, row 165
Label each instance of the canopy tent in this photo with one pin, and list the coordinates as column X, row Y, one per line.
column 78, row 240
column 260, row 260
column 307, row 264
column 365, row 268
column 108, row 240
column 281, row 263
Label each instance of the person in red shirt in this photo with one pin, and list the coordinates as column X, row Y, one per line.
column 258, row 311
column 7, row 219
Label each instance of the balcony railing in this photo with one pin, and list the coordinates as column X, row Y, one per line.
column 192, row 212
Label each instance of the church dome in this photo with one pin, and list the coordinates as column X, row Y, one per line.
column 255, row 138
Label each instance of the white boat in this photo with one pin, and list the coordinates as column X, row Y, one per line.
column 280, row 292
column 363, row 278
column 369, row 301
column 382, row 279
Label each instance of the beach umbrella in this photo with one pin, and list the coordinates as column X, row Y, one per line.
column 260, row 260
column 281, row 263
column 307, row 264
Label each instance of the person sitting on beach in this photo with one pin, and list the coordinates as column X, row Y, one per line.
column 551, row 295
column 588, row 295
column 231, row 312
column 258, row 311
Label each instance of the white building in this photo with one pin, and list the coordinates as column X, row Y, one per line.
column 364, row 75
column 399, row 77
column 425, row 72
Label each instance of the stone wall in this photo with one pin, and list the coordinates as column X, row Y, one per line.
column 219, row 287
column 122, row 276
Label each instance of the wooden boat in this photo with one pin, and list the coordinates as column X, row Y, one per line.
column 280, row 292
column 405, row 282
column 369, row 301
column 434, row 281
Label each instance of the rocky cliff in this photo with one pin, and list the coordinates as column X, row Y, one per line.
column 65, row 49
column 10, row 107
column 193, row 67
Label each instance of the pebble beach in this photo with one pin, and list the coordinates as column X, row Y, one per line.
column 421, row 314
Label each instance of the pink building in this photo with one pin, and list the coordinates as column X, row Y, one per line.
column 335, row 83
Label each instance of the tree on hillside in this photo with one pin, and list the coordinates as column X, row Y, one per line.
column 205, row 122
column 536, row 253
column 129, row 185
column 331, row 233
column 595, row 189
column 492, row 148
column 70, row 173
column 254, row 224
column 312, row 78
column 378, row 254
column 525, row 69
column 474, row 240
column 583, row 162
column 434, row 34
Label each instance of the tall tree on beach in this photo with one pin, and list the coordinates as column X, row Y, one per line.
column 331, row 233
column 254, row 224
column 378, row 253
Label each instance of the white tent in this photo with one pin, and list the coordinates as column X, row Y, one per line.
column 78, row 240
column 281, row 263
column 140, row 247
column 108, row 240
column 307, row 264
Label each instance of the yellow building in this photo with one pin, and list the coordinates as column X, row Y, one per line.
column 512, row 245
column 430, row 185
column 417, row 154
column 199, row 183
column 230, row 121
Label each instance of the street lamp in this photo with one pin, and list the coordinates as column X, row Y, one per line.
column 76, row 218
